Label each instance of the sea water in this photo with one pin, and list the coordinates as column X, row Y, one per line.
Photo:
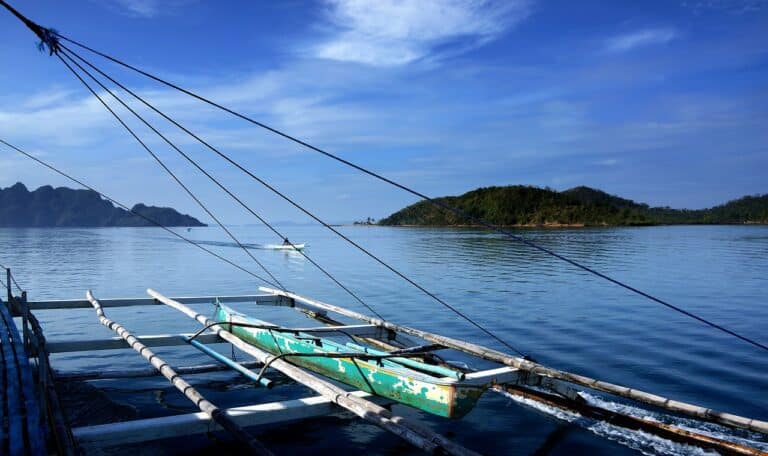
column 560, row 315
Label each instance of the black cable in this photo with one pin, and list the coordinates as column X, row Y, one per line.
column 168, row 170
column 359, row 247
column 138, row 214
column 455, row 210
column 50, row 37
column 196, row 165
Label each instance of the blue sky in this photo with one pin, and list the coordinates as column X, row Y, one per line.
column 662, row 102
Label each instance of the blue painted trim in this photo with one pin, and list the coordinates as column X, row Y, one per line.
column 224, row 360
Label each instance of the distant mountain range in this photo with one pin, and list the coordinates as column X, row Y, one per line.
column 519, row 205
column 66, row 207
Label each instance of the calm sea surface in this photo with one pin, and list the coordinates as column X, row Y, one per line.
column 559, row 315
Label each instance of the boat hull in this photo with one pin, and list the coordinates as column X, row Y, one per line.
column 441, row 397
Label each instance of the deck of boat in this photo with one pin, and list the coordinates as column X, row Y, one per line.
column 21, row 430
column 25, row 385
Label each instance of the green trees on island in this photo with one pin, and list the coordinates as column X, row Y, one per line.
column 519, row 205
column 515, row 205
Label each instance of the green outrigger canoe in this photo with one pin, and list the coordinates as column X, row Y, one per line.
column 434, row 389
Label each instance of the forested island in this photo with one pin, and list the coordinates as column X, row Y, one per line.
column 66, row 207
column 519, row 205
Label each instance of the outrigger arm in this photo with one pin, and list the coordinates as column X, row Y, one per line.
column 703, row 413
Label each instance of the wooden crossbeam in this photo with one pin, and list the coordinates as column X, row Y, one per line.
column 129, row 302
column 114, row 343
column 197, row 423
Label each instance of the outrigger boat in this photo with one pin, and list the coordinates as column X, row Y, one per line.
column 396, row 375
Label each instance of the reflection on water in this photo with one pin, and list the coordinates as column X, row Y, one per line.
column 557, row 313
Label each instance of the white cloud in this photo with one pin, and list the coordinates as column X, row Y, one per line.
column 302, row 99
column 640, row 38
column 60, row 119
column 396, row 32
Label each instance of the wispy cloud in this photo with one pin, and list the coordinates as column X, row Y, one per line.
column 639, row 38
column 148, row 8
column 736, row 7
column 392, row 32
column 47, row 98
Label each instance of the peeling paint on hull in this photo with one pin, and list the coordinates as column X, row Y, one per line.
column 439, row 396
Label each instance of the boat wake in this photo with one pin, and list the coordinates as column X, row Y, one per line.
column 642, row 441
column 223, row 243
column 251, row 246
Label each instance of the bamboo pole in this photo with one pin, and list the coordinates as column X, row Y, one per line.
column 265, row 382
column 421, row 437
column 191, row 393
column 684, row 408
column 666, row 431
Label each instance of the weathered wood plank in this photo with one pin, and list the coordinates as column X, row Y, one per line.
column 499, row 376
column 198, row 423
column 168, row 340
column 128, row 302
column 115, row 343
column 81, row 375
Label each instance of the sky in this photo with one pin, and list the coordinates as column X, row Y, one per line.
column 661, row 102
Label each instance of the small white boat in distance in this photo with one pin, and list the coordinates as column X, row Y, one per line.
column 284, row 246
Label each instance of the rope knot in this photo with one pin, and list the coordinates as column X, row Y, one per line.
column 49, row 39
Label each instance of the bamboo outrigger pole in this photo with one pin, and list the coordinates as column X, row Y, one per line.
column 684, row 408
column 216, row 414
column 626, row 421
column 419, row 436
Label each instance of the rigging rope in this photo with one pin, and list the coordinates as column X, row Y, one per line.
column 13, row 279
column 18, row 287
column 168, row 170
column 50, row 38
column 200, row 168
column 138, row 214
column 358, row 246
column 475, row 220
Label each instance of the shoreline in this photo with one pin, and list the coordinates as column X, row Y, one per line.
column 559, row 225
